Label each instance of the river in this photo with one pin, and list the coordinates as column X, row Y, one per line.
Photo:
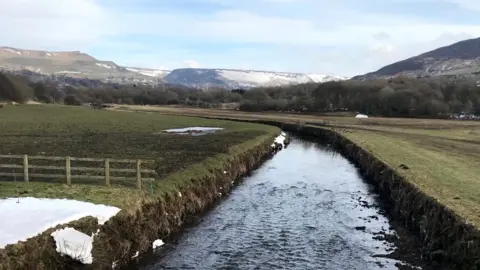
column 306, row 208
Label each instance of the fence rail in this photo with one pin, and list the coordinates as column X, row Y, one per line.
column 68, row 168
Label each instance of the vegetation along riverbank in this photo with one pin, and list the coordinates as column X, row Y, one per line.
column 193, row 170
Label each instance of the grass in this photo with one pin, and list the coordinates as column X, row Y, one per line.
column 82, row 132
column 443, row 163
column 121, row 197
column 442, row 156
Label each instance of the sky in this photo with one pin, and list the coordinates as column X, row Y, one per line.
column 341, row 37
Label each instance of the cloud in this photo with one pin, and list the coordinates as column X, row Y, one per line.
column 191, row 64
column 293, row 35
column 52, row 23
column 381, row 36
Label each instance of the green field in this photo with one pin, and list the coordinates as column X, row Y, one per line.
column 442, row 156
column 52, row 130
column 443, row 162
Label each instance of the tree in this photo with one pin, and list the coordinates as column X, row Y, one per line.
column 14, row 88
column 71, row 100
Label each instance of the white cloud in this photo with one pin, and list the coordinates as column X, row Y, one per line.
column 191, row 64
column 295, row 35
column 52, row 23
column 466, row 4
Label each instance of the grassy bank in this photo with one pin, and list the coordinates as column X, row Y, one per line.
column 193, row 172
column 441, row 157
column 444, row 163
column 82, row 132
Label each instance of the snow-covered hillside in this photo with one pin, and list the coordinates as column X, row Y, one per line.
column 319, row 78
column 232, row 78
column 81, row 65
column 149, row 71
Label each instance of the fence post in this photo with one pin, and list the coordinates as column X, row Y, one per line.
column 68, row 172
column 139, row 174
column 107, row 172
column 25, row 168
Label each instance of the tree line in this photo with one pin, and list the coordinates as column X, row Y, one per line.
column 17, row 88
column 395, row 97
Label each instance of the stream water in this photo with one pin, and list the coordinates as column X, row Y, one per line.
column 306, row 208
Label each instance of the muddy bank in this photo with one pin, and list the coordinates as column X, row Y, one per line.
column 446, row 238
column 40, row 253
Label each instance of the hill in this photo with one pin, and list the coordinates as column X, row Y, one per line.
column 461, row 58
column 234, row 78
column 75, row 64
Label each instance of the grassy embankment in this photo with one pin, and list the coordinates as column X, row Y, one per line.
column 81, row 132
column 442, row 156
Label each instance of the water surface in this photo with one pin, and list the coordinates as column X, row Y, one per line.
column 306, row 208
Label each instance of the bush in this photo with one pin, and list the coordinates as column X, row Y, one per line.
column 71, row 100
column 14, row 88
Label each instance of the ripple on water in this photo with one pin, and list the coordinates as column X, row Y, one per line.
column 276, row 221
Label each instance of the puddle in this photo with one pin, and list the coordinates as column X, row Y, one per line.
column 193, row 131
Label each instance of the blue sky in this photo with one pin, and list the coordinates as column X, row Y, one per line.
column 343, row 37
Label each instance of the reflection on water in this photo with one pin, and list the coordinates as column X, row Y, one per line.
column 307, row 208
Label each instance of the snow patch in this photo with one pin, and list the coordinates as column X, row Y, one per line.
column 361, row 116
column 12, row 51
column 104, row 65
column 280, row 140
column 150, row 72
column 193, row 130
column 23, row 218
column 319, row 78
column 67, row 71
column 157, row 243
column 49, row 54
column 264, row 78
column 75, row 244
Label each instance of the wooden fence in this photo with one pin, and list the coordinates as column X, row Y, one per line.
column 102, row 167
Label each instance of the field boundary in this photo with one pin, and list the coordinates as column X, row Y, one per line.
column 102, row 165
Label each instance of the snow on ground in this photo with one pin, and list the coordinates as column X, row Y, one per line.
column 75, row 244
column 263, row 77
column 319, row 78
column 67, row 71
column 104, row 65
column 150, row 72
column 157, row 243
column 189, row 129
column 12, row 51
column 280, row 139
column 193, row 130
column 22, row 218
column 361, row 116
